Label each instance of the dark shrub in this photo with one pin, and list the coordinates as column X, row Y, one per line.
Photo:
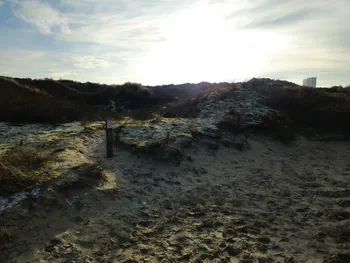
column 323, row 110
column 21, row 103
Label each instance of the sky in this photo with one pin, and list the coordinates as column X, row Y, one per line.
column 156, row 42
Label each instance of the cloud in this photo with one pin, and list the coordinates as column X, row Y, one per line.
column 90, row 62
column 275, row 13
column 291, row 18
column 130, row 8
column 1, row 3
column 133, row 33
column 92, row 40
column 45, row 18
column 317, row 39
column 125, row 24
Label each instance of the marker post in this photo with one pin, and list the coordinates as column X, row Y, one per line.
column 109, row 139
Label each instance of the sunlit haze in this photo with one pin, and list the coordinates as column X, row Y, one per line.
column 161, row 42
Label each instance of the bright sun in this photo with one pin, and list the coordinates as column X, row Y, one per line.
column 201, row 45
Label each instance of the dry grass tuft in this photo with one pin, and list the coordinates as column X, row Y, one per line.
column 22, row 168
column 95, row 171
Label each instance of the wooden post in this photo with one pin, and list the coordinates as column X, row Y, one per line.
column 109, row 139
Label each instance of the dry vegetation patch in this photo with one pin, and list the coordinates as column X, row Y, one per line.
column 24, row 167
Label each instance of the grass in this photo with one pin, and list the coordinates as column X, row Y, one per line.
column 23, row 168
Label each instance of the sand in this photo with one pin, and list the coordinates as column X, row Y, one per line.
column 268, row 203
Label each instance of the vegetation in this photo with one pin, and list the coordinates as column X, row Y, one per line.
column 50, row 101
column 190, row 107
column 23, row 167
column 321, row 109
column 87, row 175
column 47, row 100
column 23, row 103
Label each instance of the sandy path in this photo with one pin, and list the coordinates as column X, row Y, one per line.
column 271, row 203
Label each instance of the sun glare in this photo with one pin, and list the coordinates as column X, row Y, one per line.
column 198, row 48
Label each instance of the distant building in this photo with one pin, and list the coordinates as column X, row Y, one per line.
column 310, row 82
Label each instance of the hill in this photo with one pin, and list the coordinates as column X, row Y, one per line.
column 224, row 172
column 46, row 100
column 20, row 102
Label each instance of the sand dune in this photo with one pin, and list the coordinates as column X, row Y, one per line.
column 271, row 203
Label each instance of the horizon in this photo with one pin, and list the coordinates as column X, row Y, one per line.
column 164, row 84
column 133, row 82
column 165, row 42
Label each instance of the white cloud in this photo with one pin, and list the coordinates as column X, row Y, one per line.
column 130, row 24
column 129, row 8
column 317, row 39
column 214, row 40
column 42, row 15
column 90, row 62
column 1, row 3
column 113, row 30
